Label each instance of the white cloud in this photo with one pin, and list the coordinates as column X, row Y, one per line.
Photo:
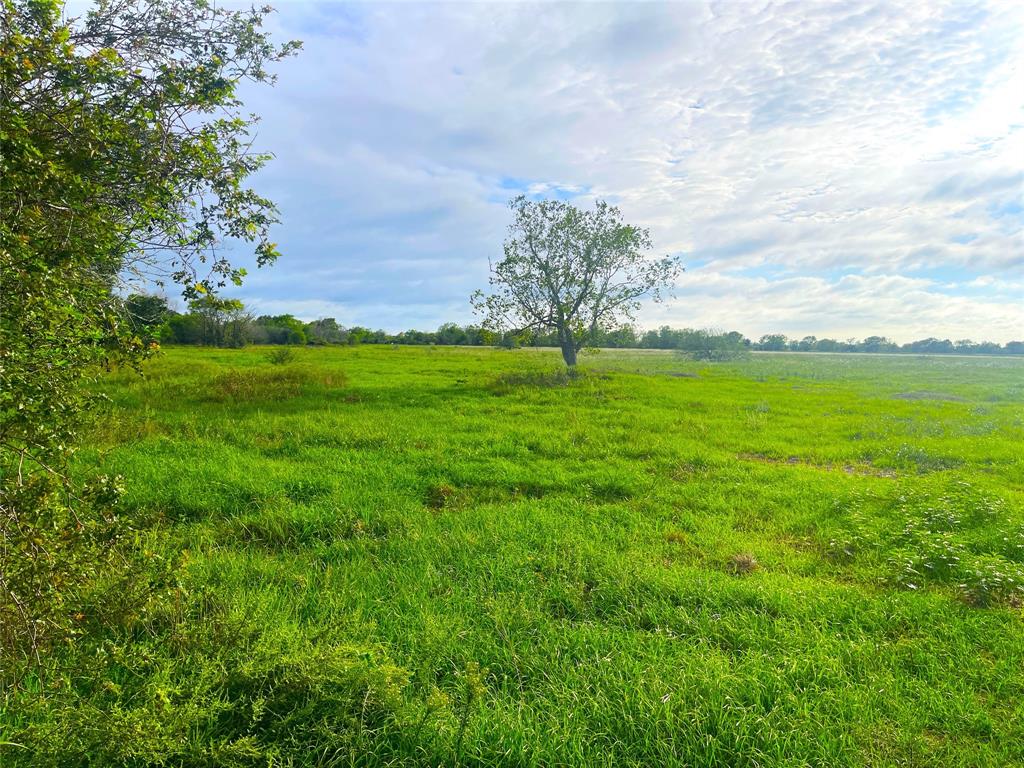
column 778, row 146
column 852, row 306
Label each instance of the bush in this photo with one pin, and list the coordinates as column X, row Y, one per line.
column 280, row 356
column 68, row 571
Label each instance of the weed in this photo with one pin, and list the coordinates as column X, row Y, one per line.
column 472, row 694
column 991, row 581
column 440, row 495
column 742, row 563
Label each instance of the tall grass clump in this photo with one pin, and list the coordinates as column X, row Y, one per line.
column 248, row 385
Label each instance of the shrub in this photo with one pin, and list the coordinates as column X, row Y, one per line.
column 280, row 356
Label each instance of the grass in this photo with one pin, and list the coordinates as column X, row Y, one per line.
column 440, row 556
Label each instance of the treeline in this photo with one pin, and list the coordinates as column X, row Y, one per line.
column 226, row 323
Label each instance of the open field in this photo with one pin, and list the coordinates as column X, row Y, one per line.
column 430, row 556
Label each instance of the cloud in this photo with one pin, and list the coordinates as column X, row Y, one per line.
column 783, row 148
column 849, row 306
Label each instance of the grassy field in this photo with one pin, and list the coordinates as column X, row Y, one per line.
column 439, row 556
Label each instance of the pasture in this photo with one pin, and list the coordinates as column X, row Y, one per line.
column 440, row 556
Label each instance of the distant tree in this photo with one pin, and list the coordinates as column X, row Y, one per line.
column 710, row 345
column 772, row 342
column 806, row 344
column 877, row 344
column 358, row 335
column 450, row 333
column 623, row 337
column 649, row 340
column 222, row 321
column 282, row 329
column 477, row 336
column 324, row 331
column 184, row 329
column 238, row 327
column 1014, row 348
column 930, row 346
column 737, row 339
column 571, row 271
column 145, row 315
column 826, row 345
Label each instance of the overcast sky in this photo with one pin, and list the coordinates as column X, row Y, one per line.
column 842, row 169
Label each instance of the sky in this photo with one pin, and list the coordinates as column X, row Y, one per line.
column 838, row 169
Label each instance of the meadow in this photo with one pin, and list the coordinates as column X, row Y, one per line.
column 386, row 555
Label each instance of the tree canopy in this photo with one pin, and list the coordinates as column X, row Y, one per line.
column 572, row 271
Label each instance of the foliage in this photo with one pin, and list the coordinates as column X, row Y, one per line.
column 571, row 271
column 697, row 344
column 221, row 322
column 146, row 315
column 259, row 698
column 280, row 329
column 280, row 356
column 123, row 152
column 325, row 331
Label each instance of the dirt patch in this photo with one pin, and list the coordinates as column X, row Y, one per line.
column 929, row 396
column 678, row 375
column 851, row 469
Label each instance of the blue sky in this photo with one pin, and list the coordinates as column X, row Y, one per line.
column 842, row 169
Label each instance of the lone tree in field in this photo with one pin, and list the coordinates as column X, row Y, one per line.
column 571, row 271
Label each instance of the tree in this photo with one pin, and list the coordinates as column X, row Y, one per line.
column 146, row 314
column 930, row 346
column 806, row 344
column 325, row 331
column 773, row 342
column 358, row 335
column 623, row 337
column 826, row 345
column 283, row 329
column 877, row 344
column 223, row 322
column 123, row 152
column 184, row 329
column 571, row 271
column 451, row 333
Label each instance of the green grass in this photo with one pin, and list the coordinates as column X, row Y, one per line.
column 431, row 556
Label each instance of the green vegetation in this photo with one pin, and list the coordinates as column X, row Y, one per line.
column 124, row 154
column 437, row 556
column 213, row 322
column 571, row 272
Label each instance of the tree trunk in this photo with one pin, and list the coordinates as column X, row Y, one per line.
column 569, row 353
